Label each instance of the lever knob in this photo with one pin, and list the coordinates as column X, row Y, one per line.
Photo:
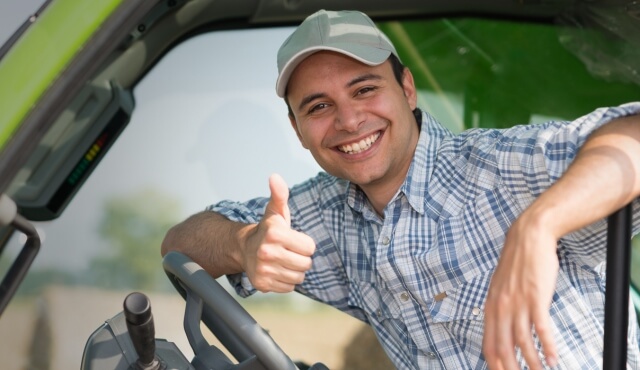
column 137, row 312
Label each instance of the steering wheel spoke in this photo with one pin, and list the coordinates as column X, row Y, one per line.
column 234, row 327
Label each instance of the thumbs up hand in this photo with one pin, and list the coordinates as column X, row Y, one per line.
column 278, row 205
column 276, row 257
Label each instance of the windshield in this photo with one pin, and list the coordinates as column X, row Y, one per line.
column 208, row 126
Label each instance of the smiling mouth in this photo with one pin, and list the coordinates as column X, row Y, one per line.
column 360, row 146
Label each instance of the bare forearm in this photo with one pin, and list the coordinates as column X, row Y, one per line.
column 273, row 255
column 211, row 240
column 604, row 177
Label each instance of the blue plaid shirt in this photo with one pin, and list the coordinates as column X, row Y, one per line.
column 420, row 274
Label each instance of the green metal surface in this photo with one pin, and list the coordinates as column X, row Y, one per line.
column 497, row 73
column 42, row 54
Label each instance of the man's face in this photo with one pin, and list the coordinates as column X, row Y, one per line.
column 356, row 120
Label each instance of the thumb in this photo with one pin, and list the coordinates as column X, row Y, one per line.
column 279, row 197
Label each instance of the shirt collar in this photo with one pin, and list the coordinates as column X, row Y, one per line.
column 414, row 187
column 432, row 133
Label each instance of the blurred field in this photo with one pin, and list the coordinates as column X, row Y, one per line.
column 50, row 333
column 16, row 328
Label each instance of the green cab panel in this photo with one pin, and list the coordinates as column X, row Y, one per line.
column 42, row 53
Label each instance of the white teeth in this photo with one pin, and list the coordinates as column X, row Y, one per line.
column 360, row 146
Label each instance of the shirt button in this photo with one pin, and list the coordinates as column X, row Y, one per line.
column 432, row 355
column 476, row 311
column 379, row 312
column 385, row 240
column 404, row 296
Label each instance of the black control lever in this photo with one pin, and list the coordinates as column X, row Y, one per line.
column 137, row 312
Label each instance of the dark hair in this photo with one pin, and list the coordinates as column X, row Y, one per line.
column 398, row 69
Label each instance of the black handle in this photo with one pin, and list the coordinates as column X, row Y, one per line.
column 20, row 266
column 137, row 312
column 616, row 306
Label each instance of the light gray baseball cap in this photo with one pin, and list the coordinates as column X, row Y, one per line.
column 349, row 32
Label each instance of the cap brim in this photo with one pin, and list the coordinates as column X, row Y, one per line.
column 363, row 53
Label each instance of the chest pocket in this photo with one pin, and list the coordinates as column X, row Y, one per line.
column 465, row 302
column 461, row 314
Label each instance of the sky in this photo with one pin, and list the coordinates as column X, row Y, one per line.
column 207, row 126
column 13, row 13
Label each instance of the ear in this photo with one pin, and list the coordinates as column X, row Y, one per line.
column 409, row 88
column 294, row 124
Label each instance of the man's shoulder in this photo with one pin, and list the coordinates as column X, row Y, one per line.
column 480, row 136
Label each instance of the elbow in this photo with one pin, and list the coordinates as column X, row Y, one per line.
column 169, row 242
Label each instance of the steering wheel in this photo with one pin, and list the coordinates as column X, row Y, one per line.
column 208, row 302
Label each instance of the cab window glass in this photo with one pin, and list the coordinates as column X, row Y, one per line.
column 208, row 126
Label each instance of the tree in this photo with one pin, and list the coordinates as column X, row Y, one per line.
column 134, row 227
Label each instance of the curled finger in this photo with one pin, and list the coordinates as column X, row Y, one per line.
column 524, row 341
column 542, row 326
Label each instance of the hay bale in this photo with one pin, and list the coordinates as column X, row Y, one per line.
column 365, row 352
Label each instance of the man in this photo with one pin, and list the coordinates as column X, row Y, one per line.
column 485, row 248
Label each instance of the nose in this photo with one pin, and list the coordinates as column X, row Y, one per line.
column 348, row 118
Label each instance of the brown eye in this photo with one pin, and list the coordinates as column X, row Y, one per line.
column 317, row 107
column 365, row 90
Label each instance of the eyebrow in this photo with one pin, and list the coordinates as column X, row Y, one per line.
column 365, row 77
column 309, row 98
